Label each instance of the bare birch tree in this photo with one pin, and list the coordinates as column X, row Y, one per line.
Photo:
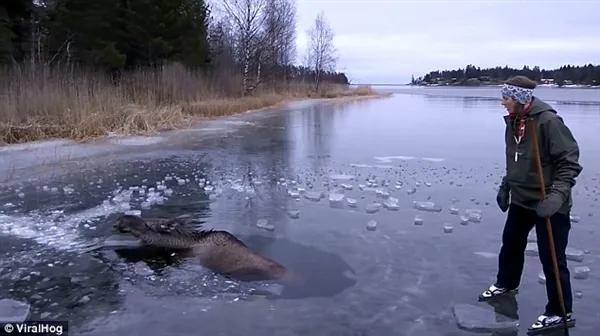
column 321, row 52
column 247, row 18
column 278, row 37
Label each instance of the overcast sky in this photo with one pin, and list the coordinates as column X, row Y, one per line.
column 388, row 41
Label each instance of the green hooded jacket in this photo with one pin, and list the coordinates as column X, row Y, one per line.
column 559, row 154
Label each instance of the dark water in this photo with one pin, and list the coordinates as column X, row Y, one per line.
column 401, row 279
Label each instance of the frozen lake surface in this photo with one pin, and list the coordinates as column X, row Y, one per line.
column 386, row 206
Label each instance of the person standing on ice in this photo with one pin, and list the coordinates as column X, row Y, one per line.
column 520, row 192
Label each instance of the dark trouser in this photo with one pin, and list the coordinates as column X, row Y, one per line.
column 519, row 223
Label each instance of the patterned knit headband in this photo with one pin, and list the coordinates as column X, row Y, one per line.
column 518, row 94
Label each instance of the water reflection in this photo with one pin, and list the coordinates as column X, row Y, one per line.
column 317, row 134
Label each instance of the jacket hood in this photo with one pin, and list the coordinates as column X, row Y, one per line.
column 540, row 106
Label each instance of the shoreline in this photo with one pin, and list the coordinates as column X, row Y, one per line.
column 189, row 124
column 193, row 113
column 50, row 158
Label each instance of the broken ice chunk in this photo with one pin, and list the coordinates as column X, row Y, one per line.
column 294, row 214
column 381, row 193
column 12, row 311
column 464, row 220
column 313, row 196
column 336, row 200
column 447, row 228
column 581, row 272
column 574, row 254
column 352, row 203
column 531, row 250
column 477, row 319
column 418, row 221
column 411, row 191
column 427, row 206
column 371, row 225
column 574, row 218
column 294, row 193
column 264, row 224
column 373, row 208
column 391, row 204
column 454, row 210
column 347, row 186
column 133, row 212
column 578, row 294
column 474, row 215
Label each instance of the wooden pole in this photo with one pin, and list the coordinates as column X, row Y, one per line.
column 538, row 162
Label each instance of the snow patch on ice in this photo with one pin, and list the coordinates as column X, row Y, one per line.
column 137, row 141
column 433, row 159
column 239, row 122
column 34, row 145
column 388, row 159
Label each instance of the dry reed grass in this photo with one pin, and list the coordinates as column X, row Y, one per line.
column 45, row 103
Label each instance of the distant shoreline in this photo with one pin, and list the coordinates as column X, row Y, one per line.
column 549, row 86
column 583, row 76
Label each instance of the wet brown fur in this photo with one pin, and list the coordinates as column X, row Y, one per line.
column 217, row 250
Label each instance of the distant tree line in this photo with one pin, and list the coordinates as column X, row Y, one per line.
column 472, row 75
column 255, row 38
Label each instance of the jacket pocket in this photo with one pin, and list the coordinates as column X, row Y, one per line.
column 523, row 171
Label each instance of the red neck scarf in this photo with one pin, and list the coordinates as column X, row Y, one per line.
column 520, row 130
column 514, row 116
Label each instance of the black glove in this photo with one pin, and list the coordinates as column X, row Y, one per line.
column 503, row 198
column 551, row 204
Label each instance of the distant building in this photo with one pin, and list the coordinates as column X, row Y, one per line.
column 547, row 81
column 473, row 81
column 485, row 78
